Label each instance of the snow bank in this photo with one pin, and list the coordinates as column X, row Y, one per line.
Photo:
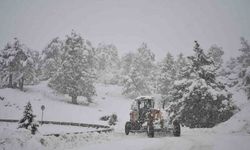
column 240, row 122
column 11, row 138
column 21, row 139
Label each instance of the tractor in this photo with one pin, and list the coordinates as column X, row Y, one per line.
column 145, row 118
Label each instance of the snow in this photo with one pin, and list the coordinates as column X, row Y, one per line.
column 230, row 135
column 21, row 139
column 11, row 138
column 240, row 122
column 197, row 139
column 46, row 129
column 58, row 108
column 144, row 97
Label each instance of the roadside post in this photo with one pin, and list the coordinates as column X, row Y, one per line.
column 42, row 107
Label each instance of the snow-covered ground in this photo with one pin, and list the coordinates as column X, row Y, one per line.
column 59, row 108
column 230, row 135
column 197, row 139
column 46, row 129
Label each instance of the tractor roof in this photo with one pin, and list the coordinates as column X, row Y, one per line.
column 142, row 98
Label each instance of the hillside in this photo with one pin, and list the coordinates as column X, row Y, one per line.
column 59, row 108
column 230, row 135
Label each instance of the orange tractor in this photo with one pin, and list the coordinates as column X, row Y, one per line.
column 145, row 118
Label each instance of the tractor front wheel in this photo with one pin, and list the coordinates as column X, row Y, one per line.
column 127, row 127
column 150, row 131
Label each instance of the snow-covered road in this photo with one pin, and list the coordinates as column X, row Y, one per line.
column 196, row 139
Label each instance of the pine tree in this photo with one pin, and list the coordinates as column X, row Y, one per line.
column 237, row 70
column 229, row 74
column 107, row 56
column 216, row 53
column 244, row 61
column 138, row 72
column 75, row 76
column 144, row 60
column 52, row 58
column 167, row 74
column 28, row 121
column 134, row 84
column 127, row 62
column 198, row 99
column 16, row 63
column 182, row 65
column 108, row 63
column 166, row 77
column 30, row 68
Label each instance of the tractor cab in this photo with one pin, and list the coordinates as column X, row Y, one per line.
column 144, row 118
column 144, row 102
column 140, row 107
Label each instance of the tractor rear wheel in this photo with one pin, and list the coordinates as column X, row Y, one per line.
column 127, row 127
column 150, row 131
column 177, row 129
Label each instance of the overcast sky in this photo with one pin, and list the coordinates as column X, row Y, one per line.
column 165, row 25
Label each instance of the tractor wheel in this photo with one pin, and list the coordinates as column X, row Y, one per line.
column 150, row 131
column 127, row 127
column 177, row 129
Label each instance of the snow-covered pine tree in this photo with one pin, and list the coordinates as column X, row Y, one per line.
column 30, row 68
column 108, row 63
column 3, row 69
column 138, row 79
column 244, row 61
column 15, row 64
column 127, row 62
column 28, row 121
column 237, row 70
column 51, row 58
column 144, row 60
column 12, row 57
column 134, row 84
column 75, row 76
column 229, row 74
column 182, row 64
column 37, row 63
column 166, row 77
column 198, row 99
column 107, row 56
column 216, row 53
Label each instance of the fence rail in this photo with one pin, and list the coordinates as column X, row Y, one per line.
column 97, row 126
